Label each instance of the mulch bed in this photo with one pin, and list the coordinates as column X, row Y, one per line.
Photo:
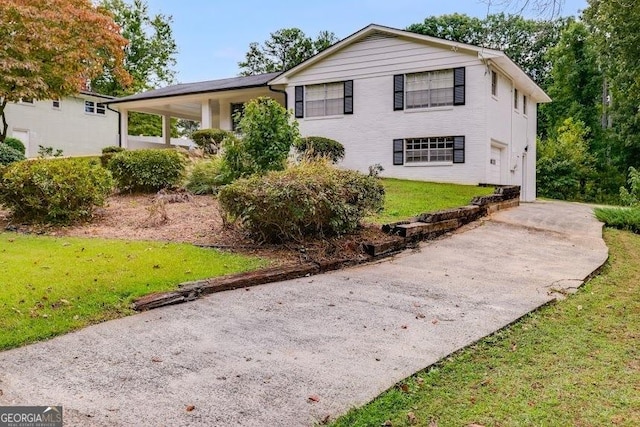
column 186, row 218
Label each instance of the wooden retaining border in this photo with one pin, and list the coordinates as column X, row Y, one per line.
column 431, row 225
column 402, row 235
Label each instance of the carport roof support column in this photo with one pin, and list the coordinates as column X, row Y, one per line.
column 166, row 130
column 206, row 119
column 124, row 128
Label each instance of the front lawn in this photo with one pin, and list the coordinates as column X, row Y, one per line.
column 573, row 363
column 405, row 199
column 50, row 286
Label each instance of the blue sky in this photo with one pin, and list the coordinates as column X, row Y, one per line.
column 212, row 36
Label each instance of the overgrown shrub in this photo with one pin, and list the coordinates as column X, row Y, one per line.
column 206, row 177
column 146, row 170
column 268, row 132
column 54, row 190
column 210, row 140
column 9, row 155
column 108, row 152
column 309, row 199
column 318, row 147
column 15, row 143
column 631, row 197
column 623, row 218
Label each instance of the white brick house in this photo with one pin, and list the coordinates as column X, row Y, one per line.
column 424, row 108
column 78, row 125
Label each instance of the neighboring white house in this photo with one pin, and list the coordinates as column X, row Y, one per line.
column 78, row 125
column 422, row 107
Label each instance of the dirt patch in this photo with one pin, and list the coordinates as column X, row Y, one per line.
column 194, row 219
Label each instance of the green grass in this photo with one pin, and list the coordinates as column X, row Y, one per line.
column 50, row 286
column 405, row 199
column 573, row 363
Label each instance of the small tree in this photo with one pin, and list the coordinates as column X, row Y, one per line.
column 631, row 197
column 268, row 132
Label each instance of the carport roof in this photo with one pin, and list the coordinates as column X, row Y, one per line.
column 201, row 87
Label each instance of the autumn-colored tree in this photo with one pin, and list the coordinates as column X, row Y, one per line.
column 52, row 48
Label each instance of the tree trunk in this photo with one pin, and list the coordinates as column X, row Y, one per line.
column 5, row 125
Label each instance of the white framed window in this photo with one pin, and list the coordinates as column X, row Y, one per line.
column 325, row 99
column 515, row 99
column 27, row 101
column 429, row 150
column 91, row 107
column 429, row 89
column 55, row 104
column 494, row 83
column 524, row 105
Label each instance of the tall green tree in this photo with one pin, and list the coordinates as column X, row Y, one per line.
column 564, row 163
column 525, row 41
column 284, row 49
column 614, row 24
column 150, row 54
column 149, row 59
column 575, row 84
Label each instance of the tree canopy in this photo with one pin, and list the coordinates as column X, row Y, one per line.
column 614, row 26
column 149, row 58
column 52, row 48
column 284, row 49
column 150, row 54
column 526, row 41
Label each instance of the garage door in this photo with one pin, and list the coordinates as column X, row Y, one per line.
column 494, row 167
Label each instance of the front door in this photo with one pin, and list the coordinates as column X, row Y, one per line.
column 495, row 169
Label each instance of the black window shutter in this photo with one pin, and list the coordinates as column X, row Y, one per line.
column 398, row 151
column 458, row 149
column 398, row 92
column 348, row 97
column 458, row 86
column 299, row 109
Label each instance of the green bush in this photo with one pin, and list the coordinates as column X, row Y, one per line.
column 112, row 149
column 210, row 140
column 54, row 190
column 9, row 155
column 309, row 199
column 146, row 170
column 631, row 197
column 15, row 143
column 268, row 132
column 108, row 152
column 318, row 146
column 206, row 176
column 623, row 218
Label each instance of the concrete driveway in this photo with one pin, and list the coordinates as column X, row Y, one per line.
column 255, row 357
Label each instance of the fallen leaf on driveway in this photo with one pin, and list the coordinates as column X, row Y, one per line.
column 314, row 398
column 156, row 359
column 190, row 408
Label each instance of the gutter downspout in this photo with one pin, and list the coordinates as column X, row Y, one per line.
column 119, row 124
column 286, row 96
